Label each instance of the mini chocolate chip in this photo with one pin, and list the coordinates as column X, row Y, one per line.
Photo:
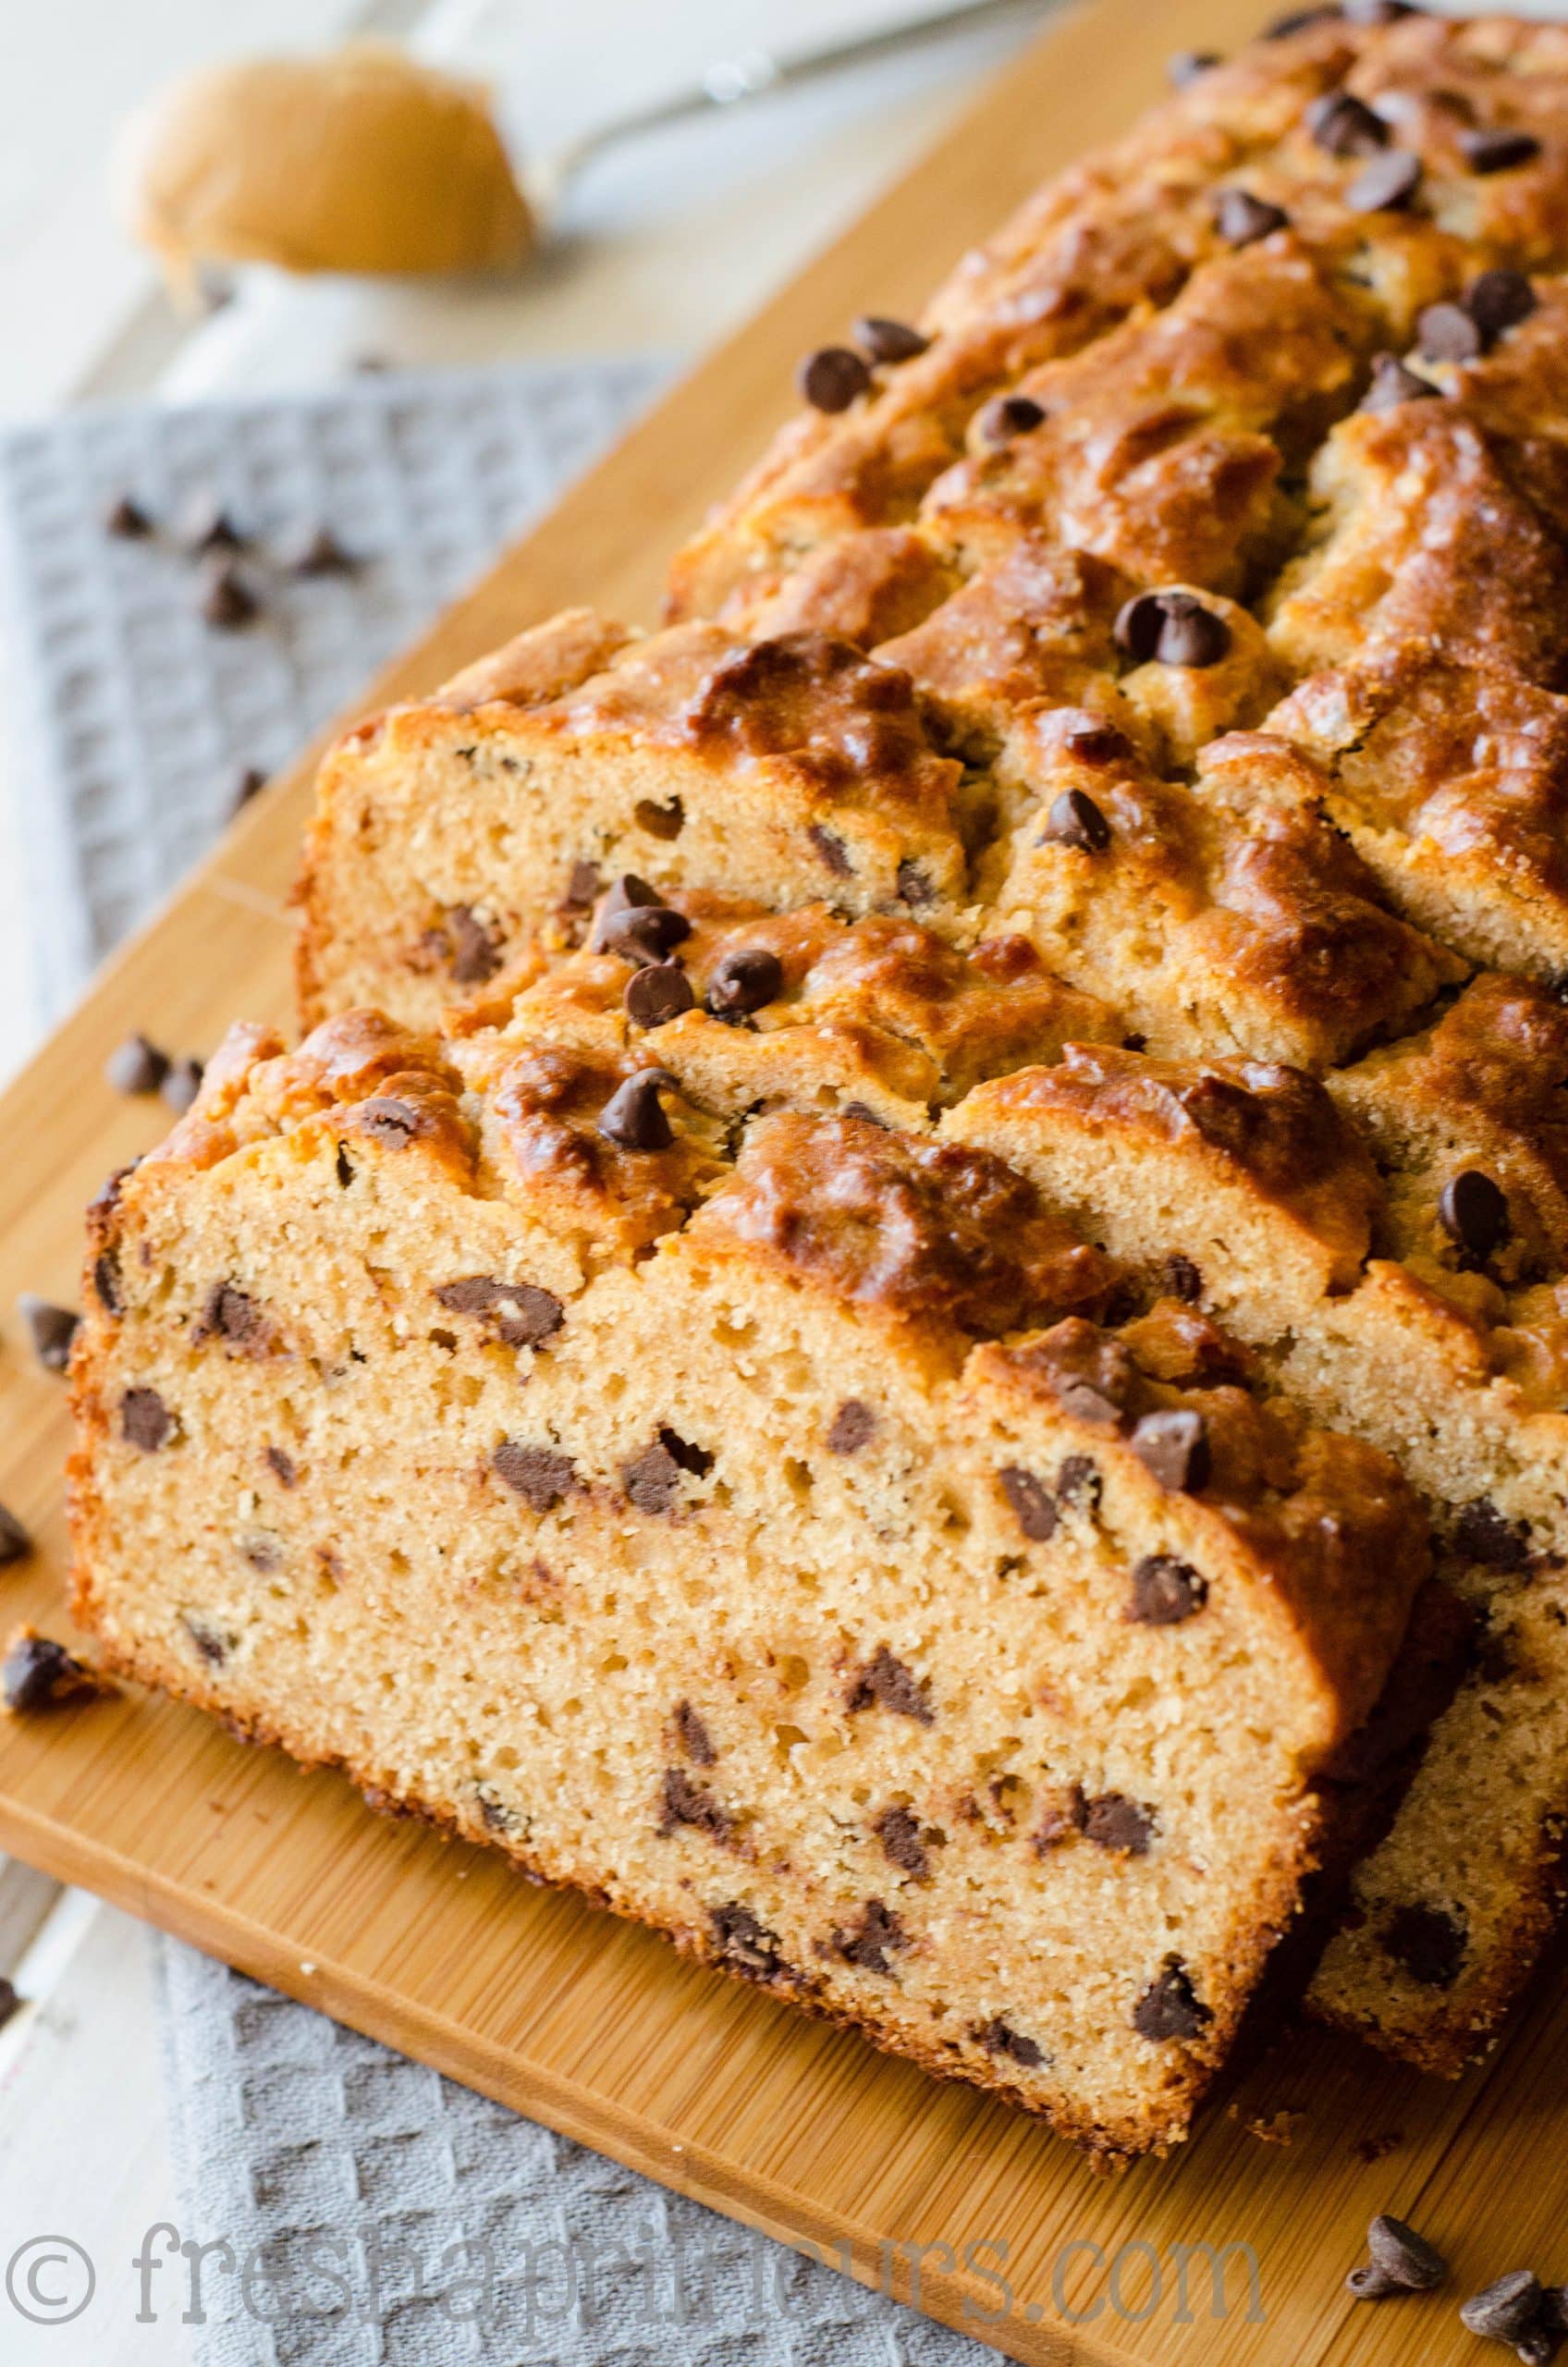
column 641, row 933
column 37, row 1674
column 387, row 1119
column 656, row 994
column 521, row 1314
column 1033, row 1504
column 880, row 1932
column 1113, row 1822
column 1174, row 626
column 228, row 1313
column 914, row 889
column 1078, row 1481
column 106, row 1286
column 887, row 1681
column 15, row 1542
column 1345, row 126
column 1241, row 218
column 1499, row 300
column 1087, row 1403
column 582, row 887
column 51, row 1329
column 1074, row 821
column 1483, row 1534
column 1402, row 2261
column 832, row 377
column 1169, row 2006
column 999, row 2038
column 1173, row 1446
column 1429, row 1944
column 1165, row 1591
column 126, row 520
column 1449, row 332
column 899, row 1833
column 145, row 1421
column 694, row 1736
column 205, row 525
column 1497, row 151
column 282, row 1466
column 538, row 1474
column 682, row 1802
column 1391, row 384
column 1473, row 1211
column 633, row 1116
column 1386, row 185
column 832, row 850
column 136, row 1066
column 1009, row 415
column 1187, row 65
column 1505, row 2311
column 1183, row 1279
column 746, row 1945
column 477, row 948
column 744, row 981
column 629, row 893
column 1098, row 744
column 317, row 551
column 264, row 1552
column 663, row 821
column 227, row 601
column 852, row 1427
column 652, row 1482
column 883, row 340
column 182, row 1083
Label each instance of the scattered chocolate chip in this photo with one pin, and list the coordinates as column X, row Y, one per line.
column 1508, row 2310
column 1183, row 1279
column 1169, row 2006
column 852, row 1427
column 476, row 947
column 629, row 893
column 136, row 1066
column 1391, row 384
column 744, row 981
column 227, row 601
column 1426, row 1942
column 633, row 1116
column 1499, row 300
column 37, row 1674
column 205, row 525
column 182, row 1083
column 1165, row 1591
column 212, row 1644
column 1402, row 2261
column 652, row 1482
column 582, row 887
column 639, row 933
column 746, row 1944
column 1497, row 151
column 1449, row 332
column 832, row 377
column 228, row 1313
column 249, row 783
column 1078, row 1481
column 1482, row 1534
column 1033, row 1504
column 1074, row 821
column 663, row 821
column 1345, row 126
column 692, row 1736
column 1472, row 1211
column 281, row 1465
column 15, row 1542
column 387, row 1119
column 538, row 1474
column 1241, row 218
column 899, row 1832
column 1387, row 184
column 887, row 1681
column 318, row 552
column 1173, row 627
column 880, row 1932
column 126, row 520
column 521, row 1312
column 914, row 889
column 106, row 1286
column 1009, row 415
column 998, row 2038
column 145, row 1421
column 832, row 850
column 1098, row 744
column 1113, row 1822
column 343, row 1167
column 682, row 1802
column 51, row 1329
column 656, row 994
column 885, row 340
column 1087, row 1403
column 1173, row 1446
column 10, row 2004
column 1187, row 65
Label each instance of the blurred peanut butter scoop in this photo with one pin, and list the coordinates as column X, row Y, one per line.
column 359, row 160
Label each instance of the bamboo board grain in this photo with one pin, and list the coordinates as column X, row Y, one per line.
column 591, row 2026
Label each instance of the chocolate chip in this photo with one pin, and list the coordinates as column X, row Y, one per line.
column 1345, row 126
column 663, row 821
column 1009, row 415
column 37, row 1674
column 1173, row 627
column 477, row 948
column 1482, row 1534
column 1187, row 65
column 832, row 377
column 521, row 1312
column 318, row 552
column 641, row 933
column 998, row 2038
column 682, row 1802
column 1074, row 821
column 281, row 1465
column 182, row 1083
column 1473, row 1211
column 1098, row 744
column 1497, row 151
column 629, row 893
column 249, row 782
column 385, row 1120
column 1169, row 2006
column 51, row 1329
column 1165, row 1591
column 1087, row 1403
column 227, row 601
column 1078, row 1481
column 126, row 520
column 106, row 1286
column 206, row 525
column 887, row 1681
column 212, row 1644
column 1393, row 384
column 1113, row 1822
column 1499, row 300
column 899, row 1833
column 582, row 887
column 885, row 340
column 1429, row 1944
column 136, row 1066
column 832, row 850
column 1386, row 185
column 1507, row 2310
column 744, row 981
column 15, row 1542
column 880, row 1932
column 228, row 1313
column 692, row 1736
column 1449, row 332
column 657, row 994
column 1033, row 1504
column 746, row 1944
column 1241, row 218
column 1183, row 1279
column 538, row 1474
column 633, row 1116
column 145, row 1421
column 852, row 1427
column 1173, row 1446
column 652, row 1482
column 1402, row 2261
column 914, row 889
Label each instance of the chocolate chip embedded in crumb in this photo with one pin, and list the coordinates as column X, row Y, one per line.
column 1007, row 416
column 1393, row 384
column 653, row 1481
column 1033, row 1506
column 582, row 887
column 682, row 1802
column 1241, row 218
column 107, row 1288
column 886, row 1681
column 1183, row 1279
column 1165, row 1591
column 538, row 1474
column 694, row 1736
column 1085, row 1403
column 1426, row 1942
column 1173, row 627
column 744, row 1943
column 832, row 850
column 1173, row 1446
column 633, row 1117
column 1510, row 2311
column 226, row 600
column 1402, row 2261
column 1386, row 185
column 744, row 981
column 1345, row 126
column 998, row 2037
column 212, row 1643
column 1098, row 744
column 1170, row 2007
column 1483, row 1534
column 51, row 1329
column 476, row 947
column 832, row 377
column 1449, row 332
column 1499, row 300
column 663, row 820
column 883, row 340
column 1497, row 151
column 1074, row 821
column 385, row 1120
column 1113, row 1822
column 136, row 1066
column 852, row 1427
column 126, row 520
column 282, row 1466
column 899, row 1832
column 914, row 889
column 879, row 1934
column 228, row 1313
column 37, row 1674
column 521, row 1314
column 656, row 994
column 1078, row 1482
column 627, row 894
column 145, row 1421
column 1473, row 1211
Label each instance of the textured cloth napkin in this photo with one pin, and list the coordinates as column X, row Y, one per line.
column 390, row 2218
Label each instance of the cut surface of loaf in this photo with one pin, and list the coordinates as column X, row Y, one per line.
column 771, row 1531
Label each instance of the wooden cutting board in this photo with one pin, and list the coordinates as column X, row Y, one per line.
column 594, row 2025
